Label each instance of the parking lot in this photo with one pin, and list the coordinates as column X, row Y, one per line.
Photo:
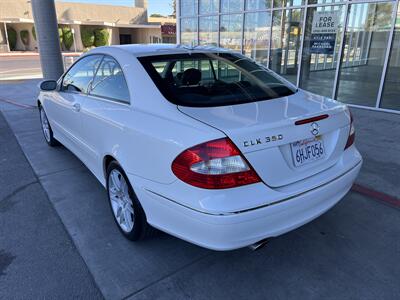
column 51, row 204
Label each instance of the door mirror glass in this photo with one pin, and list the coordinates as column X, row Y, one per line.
column 48, row 85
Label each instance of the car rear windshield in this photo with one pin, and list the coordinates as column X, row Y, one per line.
column 212, row 79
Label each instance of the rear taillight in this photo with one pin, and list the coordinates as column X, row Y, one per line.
column 217, row 164
column 352, row 133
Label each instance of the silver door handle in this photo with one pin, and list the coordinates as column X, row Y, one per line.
column 76, row 107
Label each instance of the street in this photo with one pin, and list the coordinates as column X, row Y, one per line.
column 351, row 252
column 19, row 67
column 26, row 65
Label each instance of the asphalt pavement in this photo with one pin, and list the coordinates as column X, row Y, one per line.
column 351, row 252
column 38, row 258
column 19, row 67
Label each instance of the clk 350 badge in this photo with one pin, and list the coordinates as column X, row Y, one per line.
column 265, row 140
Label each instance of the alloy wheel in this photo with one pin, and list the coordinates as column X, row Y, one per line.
column 121, row 201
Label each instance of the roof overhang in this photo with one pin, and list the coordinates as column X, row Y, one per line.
column 87, row 22
column 16, row 20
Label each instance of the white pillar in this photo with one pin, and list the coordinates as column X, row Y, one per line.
column 44, row 15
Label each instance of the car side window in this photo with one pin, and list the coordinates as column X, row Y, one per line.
column 110, row 82
column 79, row 76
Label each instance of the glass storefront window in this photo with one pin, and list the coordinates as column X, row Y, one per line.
column 324, row 1
column 286, row 40
column 257, row 36
column 208, row 30
column 231, row 31
column 189, row 31
column 188, row 7
column 365, row 45
column 258, row 4
column 322, row 42
column 231, row 5
column 209, row 6
column 391, row 91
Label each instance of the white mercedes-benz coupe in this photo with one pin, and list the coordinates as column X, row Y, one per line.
column 202, row 143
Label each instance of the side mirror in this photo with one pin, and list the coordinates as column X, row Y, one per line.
column 48, row 85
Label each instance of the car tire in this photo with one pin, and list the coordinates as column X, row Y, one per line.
column 125, row 207
column 46, row 129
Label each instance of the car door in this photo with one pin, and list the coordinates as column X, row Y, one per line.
column 104, row 113
column 66, row 106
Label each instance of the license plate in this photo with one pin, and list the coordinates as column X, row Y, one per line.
column 307, row 151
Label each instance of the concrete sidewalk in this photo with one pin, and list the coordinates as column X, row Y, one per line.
column 351, row 252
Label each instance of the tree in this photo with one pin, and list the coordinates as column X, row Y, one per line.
column 87, row 36
column 156, row 16
column 34, row 32
column 24, row 35
column 101, row 36
column 67, row 37
column 173, row 4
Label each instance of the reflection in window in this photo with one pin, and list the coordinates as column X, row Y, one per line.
column 324, row 1
column 285, row 43
column 231, row 31
column 366, row 39
column 189, row 31
column 188, row 7
column 258, row 4
column 208, row 30
column 256, row 36
column 391, row 91
column 321, row 49
column 79, row 76
column 109, row 81
column 209, row 6
column 231, row 5
column 287, row 3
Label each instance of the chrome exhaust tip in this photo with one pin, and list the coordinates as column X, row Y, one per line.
column 260, row 244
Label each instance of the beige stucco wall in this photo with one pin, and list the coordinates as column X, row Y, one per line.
column 77, row 12
column 162, row 20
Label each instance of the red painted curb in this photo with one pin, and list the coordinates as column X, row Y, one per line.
column 376, row 195
column 17, row 104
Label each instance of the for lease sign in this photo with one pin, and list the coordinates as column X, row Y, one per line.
column 325, row 22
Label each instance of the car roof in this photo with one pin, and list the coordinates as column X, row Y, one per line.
column 139, row 50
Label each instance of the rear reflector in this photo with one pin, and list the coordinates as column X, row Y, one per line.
column 352, row 133
column 310, row 120
column 217, row 164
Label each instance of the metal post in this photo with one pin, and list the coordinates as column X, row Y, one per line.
column 387, row 54
column 44, row 15
column 243, row 24
column 303, row 35
column 178, row 21
column 340, row 53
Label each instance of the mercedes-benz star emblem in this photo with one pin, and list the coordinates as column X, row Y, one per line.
column 315, row 128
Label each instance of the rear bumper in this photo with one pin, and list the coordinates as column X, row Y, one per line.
column 236, row 230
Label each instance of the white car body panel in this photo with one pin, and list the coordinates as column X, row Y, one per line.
column 247, row 123
column 147, row 134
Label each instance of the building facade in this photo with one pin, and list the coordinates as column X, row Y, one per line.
column 123, row 24
column 346, row 50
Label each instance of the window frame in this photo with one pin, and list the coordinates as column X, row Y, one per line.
column 105, row 97
column 62, row 78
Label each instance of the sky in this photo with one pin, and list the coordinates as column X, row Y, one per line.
column 162, row 7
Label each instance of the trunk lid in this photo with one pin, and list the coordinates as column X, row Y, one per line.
column 265, row 132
